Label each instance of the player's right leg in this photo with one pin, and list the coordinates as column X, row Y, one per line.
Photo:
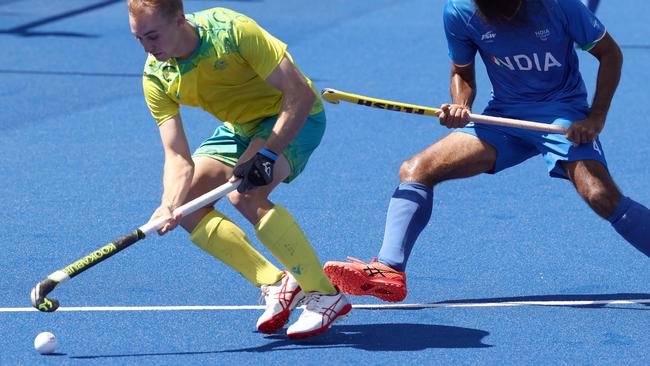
column 216, row 234
column 458, row 155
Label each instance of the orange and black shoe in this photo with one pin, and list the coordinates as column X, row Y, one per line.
column 376, row 279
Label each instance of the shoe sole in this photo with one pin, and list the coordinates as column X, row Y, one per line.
column 276, row 323
column 279, row 320
column 341, row 314
column 354, row 282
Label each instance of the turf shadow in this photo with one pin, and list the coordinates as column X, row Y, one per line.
column 369, row 337
column 374, row 337
column 25, row 30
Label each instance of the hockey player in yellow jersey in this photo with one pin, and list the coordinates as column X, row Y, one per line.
column 273, row 119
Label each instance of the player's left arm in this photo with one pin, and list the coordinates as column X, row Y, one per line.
column 297, row 101
column 610, row 61
column 267, row 56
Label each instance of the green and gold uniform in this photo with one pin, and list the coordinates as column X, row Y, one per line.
column 225, row 76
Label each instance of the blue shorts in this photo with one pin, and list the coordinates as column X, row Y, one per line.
column 514, row 145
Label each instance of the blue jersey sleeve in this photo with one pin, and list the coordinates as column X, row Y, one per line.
column 461, row 48
column 583, row 26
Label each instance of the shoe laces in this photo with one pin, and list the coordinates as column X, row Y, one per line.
column 267, row 293
column 312, row 302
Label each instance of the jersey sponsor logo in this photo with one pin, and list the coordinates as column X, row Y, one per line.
column 525, row 62
column 489, row 36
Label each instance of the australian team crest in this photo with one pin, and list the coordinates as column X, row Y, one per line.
column 168, row 73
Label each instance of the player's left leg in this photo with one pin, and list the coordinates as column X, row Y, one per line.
column 277, row 229
column 280, row 233
column 596, row 186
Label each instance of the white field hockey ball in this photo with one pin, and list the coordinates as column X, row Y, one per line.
column 45, row 343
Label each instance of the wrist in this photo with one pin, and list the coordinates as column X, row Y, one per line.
column 268, row 153
column 168, row 205
column 598, row 111
column 597, row 116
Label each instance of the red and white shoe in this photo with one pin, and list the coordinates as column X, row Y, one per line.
column 321, row 310
column 280, row 299
column 358, row 278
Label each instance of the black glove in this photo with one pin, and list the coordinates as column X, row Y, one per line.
column 256, row 172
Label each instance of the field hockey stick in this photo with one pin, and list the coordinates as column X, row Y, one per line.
column 43, row 288
column 335, row 96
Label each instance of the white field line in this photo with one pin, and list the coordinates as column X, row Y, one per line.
column 360, row 306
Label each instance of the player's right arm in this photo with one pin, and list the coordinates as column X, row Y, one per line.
column 462, row 51
column 178, row 167
column 177, row 172
column 463, row 92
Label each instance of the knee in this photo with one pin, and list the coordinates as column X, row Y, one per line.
column 242, row 202
column 602, row 200
column 417, row 170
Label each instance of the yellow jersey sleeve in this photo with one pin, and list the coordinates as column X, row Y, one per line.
column 257, row 47
column 162, row 106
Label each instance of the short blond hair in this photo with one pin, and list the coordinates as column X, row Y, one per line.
column 167, row 8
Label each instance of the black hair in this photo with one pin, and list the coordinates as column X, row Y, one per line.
column 500, row 11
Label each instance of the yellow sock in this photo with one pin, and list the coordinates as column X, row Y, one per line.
column 280, row 233
column 224, row 240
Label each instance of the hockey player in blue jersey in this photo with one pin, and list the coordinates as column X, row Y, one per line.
column 528, row 49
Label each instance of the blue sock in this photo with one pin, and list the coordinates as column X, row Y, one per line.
column 409, row 212
column 632, row 221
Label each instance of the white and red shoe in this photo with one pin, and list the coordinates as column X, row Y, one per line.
column 321, row 310
column 280, row 298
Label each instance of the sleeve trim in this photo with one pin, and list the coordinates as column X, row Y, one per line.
column 278, row 61
column 591, row 45
column 461, row 65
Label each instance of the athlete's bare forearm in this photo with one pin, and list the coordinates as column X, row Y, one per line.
column 609, row 73
column 293, row 114
column 463, row 85
column 298, row 99
column 177, row 178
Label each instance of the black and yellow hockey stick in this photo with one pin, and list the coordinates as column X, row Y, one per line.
column 335, row 96
column 42, row 289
